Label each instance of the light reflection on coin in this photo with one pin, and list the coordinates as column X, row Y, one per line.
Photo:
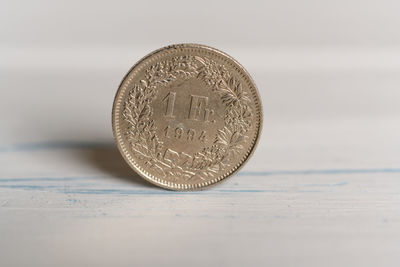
column 187, row 116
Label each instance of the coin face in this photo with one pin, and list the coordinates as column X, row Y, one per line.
column 187, row 116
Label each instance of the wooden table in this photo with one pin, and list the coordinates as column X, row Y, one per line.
column 323, row 188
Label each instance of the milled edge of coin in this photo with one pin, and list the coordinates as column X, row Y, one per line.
column 187, row 187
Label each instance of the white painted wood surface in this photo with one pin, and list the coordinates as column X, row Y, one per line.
column 323, row 188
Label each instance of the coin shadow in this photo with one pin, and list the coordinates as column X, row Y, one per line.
column 109, row 160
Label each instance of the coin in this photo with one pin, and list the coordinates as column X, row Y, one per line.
column 187, row 116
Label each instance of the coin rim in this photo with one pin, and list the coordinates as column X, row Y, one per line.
column 186, row 187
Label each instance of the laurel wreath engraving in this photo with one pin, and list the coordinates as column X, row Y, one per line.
column 141, row 133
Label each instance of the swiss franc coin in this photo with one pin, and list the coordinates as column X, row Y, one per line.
column 187, row 116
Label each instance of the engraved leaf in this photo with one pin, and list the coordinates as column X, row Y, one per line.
column 223, row 136
column 145, row 112
column 144, row 83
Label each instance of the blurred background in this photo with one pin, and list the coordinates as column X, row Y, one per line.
column 337, row 62
column 329, row 76
column 325, row 66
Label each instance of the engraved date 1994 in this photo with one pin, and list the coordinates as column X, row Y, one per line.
column 181, row 133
